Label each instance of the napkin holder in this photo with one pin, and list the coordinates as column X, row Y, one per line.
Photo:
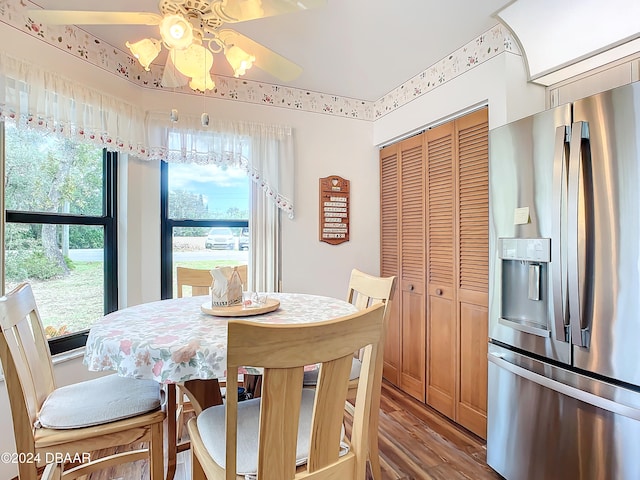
column 226, row 287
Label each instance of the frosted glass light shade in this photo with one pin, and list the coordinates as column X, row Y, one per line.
column 202, row 83
column 146, row 51
column 239, row 60
column 194, row 61
column 176, row 31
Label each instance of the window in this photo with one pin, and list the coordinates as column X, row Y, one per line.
column 205, row 214
column 60, row 233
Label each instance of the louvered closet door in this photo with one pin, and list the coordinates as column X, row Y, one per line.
column 412, row 267
column 473, row 251
column 441, row 269
column 390, row 255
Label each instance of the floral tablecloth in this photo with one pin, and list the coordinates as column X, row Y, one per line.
column 173, row 341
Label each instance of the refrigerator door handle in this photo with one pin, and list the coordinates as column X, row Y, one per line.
column 576, row 233
column 559, row 243
column 564, row 389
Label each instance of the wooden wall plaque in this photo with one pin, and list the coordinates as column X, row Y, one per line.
column 334, row 210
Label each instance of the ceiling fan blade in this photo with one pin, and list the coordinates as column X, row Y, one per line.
column 76, row 17
column 171, row 77
column 266, row 59
column 242, row 10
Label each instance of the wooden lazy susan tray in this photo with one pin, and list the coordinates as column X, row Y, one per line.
column 239, row 311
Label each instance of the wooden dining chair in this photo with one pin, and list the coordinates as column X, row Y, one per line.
column 199, row 279
column 290, row 430
column 364, row 291
column 81, row 418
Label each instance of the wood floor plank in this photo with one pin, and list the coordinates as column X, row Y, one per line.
column 394, row 439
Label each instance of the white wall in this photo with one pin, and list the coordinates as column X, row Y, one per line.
column 499, row 83
column 138, row 231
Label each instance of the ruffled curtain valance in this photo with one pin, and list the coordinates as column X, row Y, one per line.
column 32, row 96
column 264, row 151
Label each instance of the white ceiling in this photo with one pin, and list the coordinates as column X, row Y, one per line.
column 360, row 49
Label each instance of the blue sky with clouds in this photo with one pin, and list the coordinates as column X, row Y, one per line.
column 223, row 188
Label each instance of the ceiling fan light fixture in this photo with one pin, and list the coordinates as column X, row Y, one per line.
column 190, row 24
column 239, row 60
column 176, row 31
column 145, row 50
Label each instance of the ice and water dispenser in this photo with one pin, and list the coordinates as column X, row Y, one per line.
column 525, row 282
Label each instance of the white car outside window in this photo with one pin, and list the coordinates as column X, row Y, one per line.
column 220, row 238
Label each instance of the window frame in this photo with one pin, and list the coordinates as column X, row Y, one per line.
column 108, row 220
column 166, row 232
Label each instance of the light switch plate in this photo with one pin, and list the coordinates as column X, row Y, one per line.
column 521, row 216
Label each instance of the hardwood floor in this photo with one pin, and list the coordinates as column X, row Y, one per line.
column 416, row 443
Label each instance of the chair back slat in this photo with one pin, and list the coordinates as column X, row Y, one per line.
column 25, row 346
column 283, row 351
column 333, row 380
column 279, row 418
column 27, row 366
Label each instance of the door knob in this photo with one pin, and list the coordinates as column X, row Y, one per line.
column 438, row 291
column 411, row 288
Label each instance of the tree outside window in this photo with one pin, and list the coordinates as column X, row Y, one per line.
column 56, row 223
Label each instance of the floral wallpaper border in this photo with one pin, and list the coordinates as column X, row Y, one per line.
column 488, row 45
column 79, row 43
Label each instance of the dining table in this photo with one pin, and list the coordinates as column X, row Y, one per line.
column 179, row 341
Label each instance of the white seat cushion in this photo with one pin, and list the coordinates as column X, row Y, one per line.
column 311, row 376
column 211, row 425
column 98, row 401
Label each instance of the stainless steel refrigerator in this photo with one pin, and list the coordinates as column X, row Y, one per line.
column 564, row 292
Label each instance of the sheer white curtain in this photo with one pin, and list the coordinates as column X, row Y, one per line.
column 43, row 99
column 265, row 215
column 264, row 259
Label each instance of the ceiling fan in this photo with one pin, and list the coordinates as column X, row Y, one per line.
column 191, row 32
